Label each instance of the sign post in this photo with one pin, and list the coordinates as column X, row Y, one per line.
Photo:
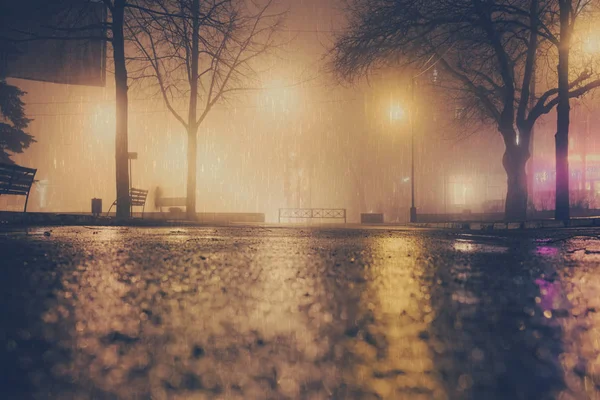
column 131, row 156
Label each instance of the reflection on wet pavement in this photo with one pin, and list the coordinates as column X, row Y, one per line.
column 256, row 313
column 470, row 246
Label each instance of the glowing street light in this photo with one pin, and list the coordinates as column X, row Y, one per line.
column 591, row 45
column 397, row 113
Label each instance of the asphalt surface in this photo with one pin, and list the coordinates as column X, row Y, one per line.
column 278, row 313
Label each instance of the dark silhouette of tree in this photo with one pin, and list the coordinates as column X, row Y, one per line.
column 199, row 53
column 488, row 50
column 60, row 20
column 569, row 12
column 13, row 122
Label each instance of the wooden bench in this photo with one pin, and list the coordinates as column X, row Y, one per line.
column 16, row 180
column 137, row 198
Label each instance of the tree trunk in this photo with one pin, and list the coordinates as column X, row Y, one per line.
column 514, row 161
column 562, row 211
column 192, row 157
column 516, row 194
column 192, row 111
column 531, row 173
column 121, row 142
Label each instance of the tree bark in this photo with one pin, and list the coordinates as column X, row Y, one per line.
column 192, row 155
column 562, row 210
column 121, row 140
column 514, row 161
column 562, row 202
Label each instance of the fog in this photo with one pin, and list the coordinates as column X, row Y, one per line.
column 302, row 140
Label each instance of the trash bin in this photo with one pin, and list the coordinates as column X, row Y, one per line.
column 371, row 218
column 96, row 207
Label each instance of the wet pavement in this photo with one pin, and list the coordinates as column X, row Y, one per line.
column 278, row 313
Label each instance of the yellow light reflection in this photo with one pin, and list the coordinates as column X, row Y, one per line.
column 571, row 302
column 400, row 304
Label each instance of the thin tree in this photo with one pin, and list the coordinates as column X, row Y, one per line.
column 117, row 24
column 198, row 53
column 488, row 50
column 60, row 20
column 569, row 12
column 556, row 22
column 563, row 110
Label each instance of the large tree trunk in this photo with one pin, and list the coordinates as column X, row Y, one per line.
column 516, row 194
column 514, row 161
column 121, row 142
column 562, row 211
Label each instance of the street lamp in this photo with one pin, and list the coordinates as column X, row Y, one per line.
column 591, row 45
column 397, row 113
column 590, row 50
column 413, row 209
column 131, row 156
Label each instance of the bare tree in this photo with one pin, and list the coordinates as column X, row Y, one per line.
column 200, row 52
column 568, row 13
column 488, row 50
column 117, row 24
column 60, row 20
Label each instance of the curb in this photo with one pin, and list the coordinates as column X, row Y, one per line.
column 30, row 220
column 508, row 226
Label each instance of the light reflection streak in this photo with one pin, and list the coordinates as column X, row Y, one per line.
column 399, row 300
column 578, row 304
column 287, row 309
column 104, row 316
column 468, row 246
column 547, row 251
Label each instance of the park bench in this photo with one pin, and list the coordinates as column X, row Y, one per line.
column 312, row 213
column 137, row 197
column 172, row 202
column 16, row 180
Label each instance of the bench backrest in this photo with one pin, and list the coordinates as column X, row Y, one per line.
column 138, row 197
column 316, row 213
column 15, row 179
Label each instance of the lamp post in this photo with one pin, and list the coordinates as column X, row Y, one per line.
column 413, row 209
column 131, row 156
column 591, row 48
column 397, row 113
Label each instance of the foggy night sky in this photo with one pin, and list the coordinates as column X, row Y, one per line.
column 325, row 141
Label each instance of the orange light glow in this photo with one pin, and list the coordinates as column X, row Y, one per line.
column 397, row 113
column 104, row 121
column 591, row 45
column 588, row 157
column 279, row 97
